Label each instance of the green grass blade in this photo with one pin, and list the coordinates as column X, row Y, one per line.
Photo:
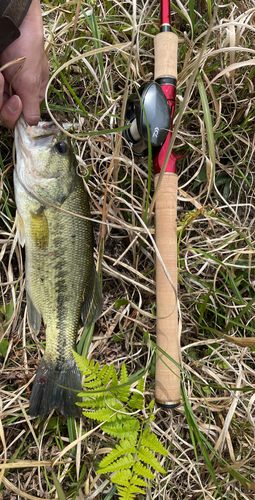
column 209, row 130
column 192, row 13
column 76, row 98
column 58, row 487
column 209, row 8
column 71, row 431
column 200, row 439
column 92, row 22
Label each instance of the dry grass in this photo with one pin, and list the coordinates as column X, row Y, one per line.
column 216, row 247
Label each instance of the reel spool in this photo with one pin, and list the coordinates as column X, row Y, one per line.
column 149, row 108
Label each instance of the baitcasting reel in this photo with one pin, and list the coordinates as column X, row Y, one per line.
column 148, row 109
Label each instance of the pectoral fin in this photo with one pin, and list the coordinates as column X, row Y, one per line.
column 34, row 317
column 20, row 230
column 39, row 228
column 92, row 306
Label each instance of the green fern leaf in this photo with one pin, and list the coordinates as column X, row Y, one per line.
column 123, row 463
column 149, row 458
column 92, row 372
column 123, row 374
column 151, row 441
column 109, row 374
column 152, row 404
column 107, row 399
column 137, row 481
column 124, row 494
column 114, row 382
column 140, row 469
column 129, row 492
column 89, row 402
column 122, row 430
column 100, row 415
column 122, row 477
column 121, row 449
column 140, row 385
column 104, row 370
column 136, row 401
column 124, row 392
column 92, row 384
column 125, row 478
column 122, row 416
column 106, row 374
column 83, row 363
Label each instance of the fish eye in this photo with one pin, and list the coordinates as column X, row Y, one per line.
column 61, row 147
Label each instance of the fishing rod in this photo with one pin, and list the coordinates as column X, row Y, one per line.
column 150, row 114
column 167, row 383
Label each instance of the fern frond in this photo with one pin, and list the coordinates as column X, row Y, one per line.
column 122, row 477
column 136, row 401
column 125, row 462
column 125, row 478
column 93, row 383
column 106, row 374
column 108, row 400
column 123, row 374
column 124, row 392
column 96, row 400
column 143, row 471
column 123, row 448
column 83, row 363
column 137, row 481
column 100, row 415
column 149, row 458
column 91, row 401
column 151, row 441
column 122, row 430
column 129, row 492
column 122, row 416
column 114, row 382
column 92, row 372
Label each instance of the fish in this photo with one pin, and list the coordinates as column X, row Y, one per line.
column 62, row 285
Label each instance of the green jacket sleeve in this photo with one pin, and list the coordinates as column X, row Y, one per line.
column 12, row 13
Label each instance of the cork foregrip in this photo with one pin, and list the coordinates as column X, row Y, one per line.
column 167, row 377
column 165, row 51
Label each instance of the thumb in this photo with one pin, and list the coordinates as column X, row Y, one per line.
column 11, row 111
column 29, row 95
column 31, row 110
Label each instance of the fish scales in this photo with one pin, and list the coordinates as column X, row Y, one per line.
column 49, row 272
column 61, row 282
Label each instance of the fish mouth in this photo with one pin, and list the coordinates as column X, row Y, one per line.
column 30, row 137
column 42, row 129
column 27, row 140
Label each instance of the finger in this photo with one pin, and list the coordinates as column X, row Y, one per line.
column 31, row 109
column 31, row 99
column 29, row 94
column 11, row 111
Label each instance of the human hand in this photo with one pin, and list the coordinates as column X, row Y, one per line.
column 30, row 83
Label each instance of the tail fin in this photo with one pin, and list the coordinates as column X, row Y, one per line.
column 56, row 387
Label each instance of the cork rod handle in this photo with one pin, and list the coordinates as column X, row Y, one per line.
column 165, row 51
column 167, row 391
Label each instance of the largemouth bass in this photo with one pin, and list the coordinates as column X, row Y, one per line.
column 61, row 281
